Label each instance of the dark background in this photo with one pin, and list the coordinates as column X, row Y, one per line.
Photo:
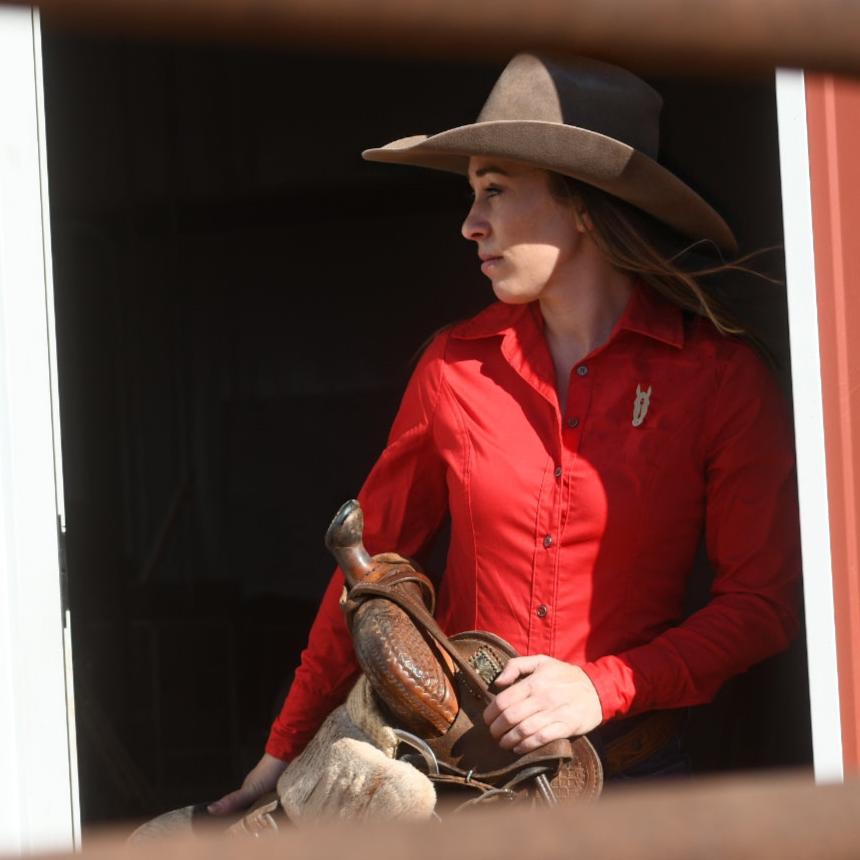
column 239, row 302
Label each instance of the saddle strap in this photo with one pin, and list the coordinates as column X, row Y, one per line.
column 422, row 618
column 402, row 573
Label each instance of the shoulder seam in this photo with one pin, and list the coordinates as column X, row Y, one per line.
column 446, row 334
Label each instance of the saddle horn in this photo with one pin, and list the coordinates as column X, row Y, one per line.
column 344, row 539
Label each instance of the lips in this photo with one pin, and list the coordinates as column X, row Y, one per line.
column 488, row 262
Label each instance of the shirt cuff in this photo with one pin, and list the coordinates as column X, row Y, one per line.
column 287, row 744
column 613, row 681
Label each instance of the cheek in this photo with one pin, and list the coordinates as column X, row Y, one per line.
column 527, row 273
column 538, row 262
column 545, row 258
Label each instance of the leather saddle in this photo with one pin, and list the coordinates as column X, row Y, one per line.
column 436, row 687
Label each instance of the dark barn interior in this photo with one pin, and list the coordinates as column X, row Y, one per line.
column 239, row 301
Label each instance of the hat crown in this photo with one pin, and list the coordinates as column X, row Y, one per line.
column 584, row 93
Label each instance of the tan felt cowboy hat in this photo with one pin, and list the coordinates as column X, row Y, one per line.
column 589, row 120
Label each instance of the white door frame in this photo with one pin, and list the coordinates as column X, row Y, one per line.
column 38, row 780
column 809, row 426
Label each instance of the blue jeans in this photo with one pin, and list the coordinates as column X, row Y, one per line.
column 669, row 762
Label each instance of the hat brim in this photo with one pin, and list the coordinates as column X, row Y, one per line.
column 591, row 157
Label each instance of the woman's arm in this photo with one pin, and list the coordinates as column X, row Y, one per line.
column 752, row 538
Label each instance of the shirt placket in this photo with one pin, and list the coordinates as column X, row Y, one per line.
column 556, row 488
column 578, row 402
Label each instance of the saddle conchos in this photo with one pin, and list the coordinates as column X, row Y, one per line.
column 435, row 687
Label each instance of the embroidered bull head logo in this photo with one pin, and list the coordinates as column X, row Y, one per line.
column 640, row 405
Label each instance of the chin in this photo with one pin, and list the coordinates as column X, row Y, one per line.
column 512, row 296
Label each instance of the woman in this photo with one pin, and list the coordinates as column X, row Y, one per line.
column 583, row 433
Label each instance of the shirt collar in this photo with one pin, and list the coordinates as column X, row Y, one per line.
column 649, row 314
column 646, row 313
column 498, row 318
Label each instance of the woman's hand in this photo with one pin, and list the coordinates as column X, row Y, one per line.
column 544, row 700
column 262, row 778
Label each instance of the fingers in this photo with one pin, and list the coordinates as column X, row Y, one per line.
column 261, row 779
column 517, row 668
column 235, row 801
column 506, row 699
column 513, row 713
column 543, row 700
column 534, row 733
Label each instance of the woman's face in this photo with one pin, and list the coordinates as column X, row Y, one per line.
column 526, row 238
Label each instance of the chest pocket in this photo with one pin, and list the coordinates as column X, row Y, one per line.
column 638, row 437
column 645, row 446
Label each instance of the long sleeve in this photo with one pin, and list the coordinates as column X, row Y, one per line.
column 751, row 534
column 404, row 501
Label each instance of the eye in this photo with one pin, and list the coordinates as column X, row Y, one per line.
column 487, row 191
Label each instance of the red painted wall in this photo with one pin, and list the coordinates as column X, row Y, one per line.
column 833, row 114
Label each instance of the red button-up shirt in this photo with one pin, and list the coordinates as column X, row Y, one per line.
column 573, row 534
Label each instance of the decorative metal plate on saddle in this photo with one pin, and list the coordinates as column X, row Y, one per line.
column 436, row 687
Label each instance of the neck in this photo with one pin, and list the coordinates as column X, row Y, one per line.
column 580, row 311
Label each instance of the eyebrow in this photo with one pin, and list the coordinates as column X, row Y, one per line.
column 491, row 168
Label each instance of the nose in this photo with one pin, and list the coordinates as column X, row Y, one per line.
column 475, row 227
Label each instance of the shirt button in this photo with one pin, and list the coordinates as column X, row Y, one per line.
column 573, row 422
column 542, row 611
column 582, row 370
column 547, row 541
column 557, row 471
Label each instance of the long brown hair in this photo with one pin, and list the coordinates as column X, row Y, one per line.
column 634, row 242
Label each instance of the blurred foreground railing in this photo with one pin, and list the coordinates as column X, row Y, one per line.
column 726, row 36
column 778, row 816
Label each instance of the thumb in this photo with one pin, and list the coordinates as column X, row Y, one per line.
column 232, row 802
column 517, row 668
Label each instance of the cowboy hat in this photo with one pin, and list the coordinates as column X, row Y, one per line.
column 585, row 119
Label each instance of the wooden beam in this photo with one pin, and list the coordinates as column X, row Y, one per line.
column 711, row 36
column 780, row 816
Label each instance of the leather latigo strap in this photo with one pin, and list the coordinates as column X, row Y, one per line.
column 437, row 687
